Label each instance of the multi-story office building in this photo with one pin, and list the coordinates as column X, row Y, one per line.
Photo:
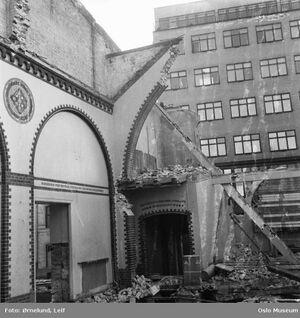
column 238, row 70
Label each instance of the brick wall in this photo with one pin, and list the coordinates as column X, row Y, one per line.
column 66, row 35
column 60, row 272
column 3, row 17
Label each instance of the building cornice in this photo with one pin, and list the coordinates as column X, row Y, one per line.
column 42, row 72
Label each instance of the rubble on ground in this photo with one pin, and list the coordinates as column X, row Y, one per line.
column 249, row 278
column 140, row 288
column 249, row 281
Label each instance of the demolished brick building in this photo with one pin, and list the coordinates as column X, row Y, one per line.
column 72, row 111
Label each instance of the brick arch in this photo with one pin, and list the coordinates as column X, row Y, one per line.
column 141, row 230
column 5, row 217
column 136, row 128
column 92, row 125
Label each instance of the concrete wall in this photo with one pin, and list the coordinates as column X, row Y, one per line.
column 157, row 138
column 123, row 67
column 216, row 230
column 172, row 150
column 68, row 150
column 20, row 241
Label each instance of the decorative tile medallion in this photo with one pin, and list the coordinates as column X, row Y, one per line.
column 18, row 100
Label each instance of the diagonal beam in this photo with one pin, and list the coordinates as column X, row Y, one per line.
column 232, row 192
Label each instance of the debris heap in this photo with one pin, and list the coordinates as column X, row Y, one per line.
column 249, row 279
column 170, row 174
column 140, row 288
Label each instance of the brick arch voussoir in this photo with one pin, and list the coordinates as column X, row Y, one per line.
column 5, row 245
column 136, row 127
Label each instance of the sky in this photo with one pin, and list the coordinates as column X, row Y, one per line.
column 129, row 23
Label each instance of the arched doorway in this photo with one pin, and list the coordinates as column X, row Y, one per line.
column 72, row 196
column 166, row 239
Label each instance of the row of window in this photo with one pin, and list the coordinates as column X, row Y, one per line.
column 237, row 72
column 245, row 107
column 249, row 144
column 240, row 37
column 239, row 12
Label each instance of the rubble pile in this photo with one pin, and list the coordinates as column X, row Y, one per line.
column 176, row 174
column 249, row 278
column 122, row 204
column 141, row 287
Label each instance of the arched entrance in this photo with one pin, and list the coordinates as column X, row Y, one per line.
column 166, row 237
column 73, row 204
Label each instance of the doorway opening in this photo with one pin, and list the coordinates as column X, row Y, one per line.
column 52, row 250
column 166, row 238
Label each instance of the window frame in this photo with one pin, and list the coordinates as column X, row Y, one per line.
column 235, row 69
column 273, row 100
column 295, row 64
column 232, row 35
column 244, row 141
column 209, row 149
column 295, row 26
column 240, row 104
column 210, row 74
column 213, row 110
column 272, row 29
column 270, row 65
column 207, row 40
column 286, row 139
column 169, row 88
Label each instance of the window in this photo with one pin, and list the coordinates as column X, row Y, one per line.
column 282, row 140
column 204, row 42
column 278, row 103
column 207, row 76
column 269, row 33
column 246, row 144
column 177, row 80
column 236, row 38
column 273, row 67
column 295, row 29
column 239, row 72
column 297, row 64
column 288, row 5
column 47, row 216
column 243, row 107
column 213, row 147
column 210, row 111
